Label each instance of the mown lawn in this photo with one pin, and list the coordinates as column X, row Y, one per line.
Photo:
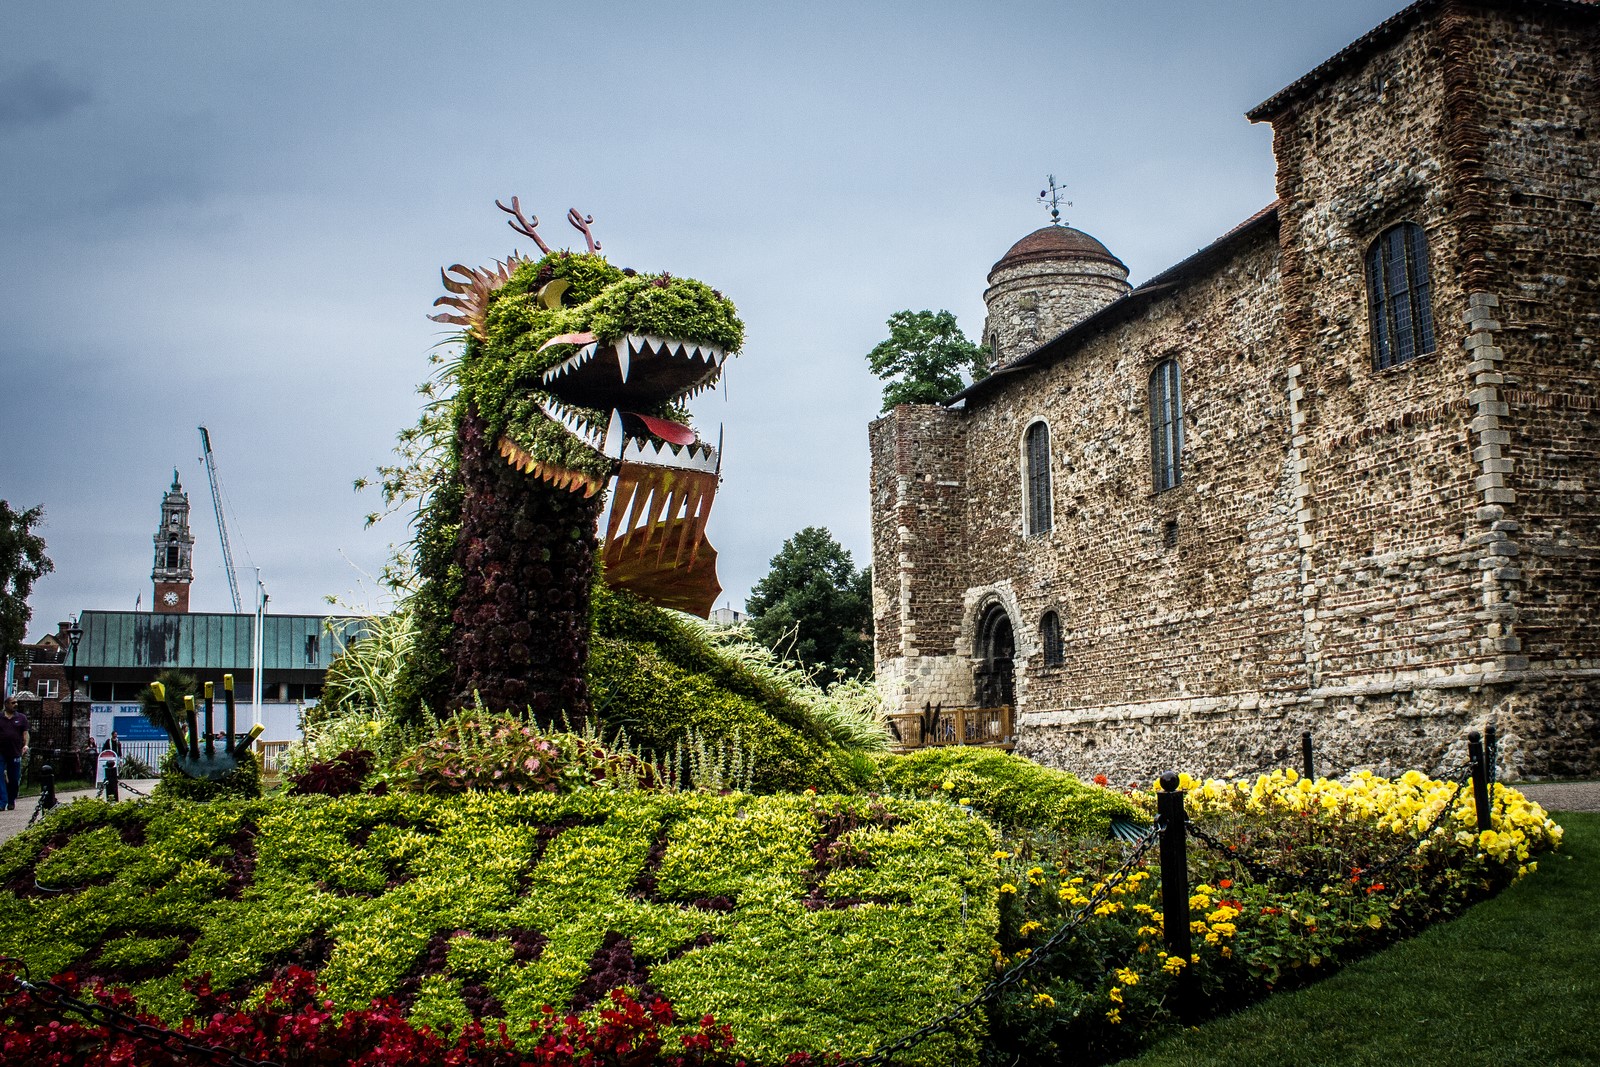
column 1514, row 981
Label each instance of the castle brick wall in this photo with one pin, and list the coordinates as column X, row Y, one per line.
column 1206, row 604
column 918, row 553
column 1386, row 558
column 1540, row 142
column 1031, row 302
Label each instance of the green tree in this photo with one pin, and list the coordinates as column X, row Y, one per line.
column 814, row 605
column 169, row 714
column 925, row 359
column 22, row 562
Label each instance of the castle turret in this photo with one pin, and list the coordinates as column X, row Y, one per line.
column 1050, row 280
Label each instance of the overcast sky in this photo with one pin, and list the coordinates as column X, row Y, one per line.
column 234, row 214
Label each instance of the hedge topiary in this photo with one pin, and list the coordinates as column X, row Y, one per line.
column 655, row 676
column 808, row 924
column 244, row 781
column 1010, row 790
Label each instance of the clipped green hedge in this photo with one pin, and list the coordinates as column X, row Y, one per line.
column 720, row 897
column 243, row 781
column 656, row 676
column 1010, row 790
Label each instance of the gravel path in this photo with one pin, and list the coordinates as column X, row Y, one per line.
column 1562, row 796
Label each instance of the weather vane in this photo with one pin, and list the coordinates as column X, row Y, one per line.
column 1052, row 196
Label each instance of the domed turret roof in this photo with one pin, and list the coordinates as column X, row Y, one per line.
column 1056, row 242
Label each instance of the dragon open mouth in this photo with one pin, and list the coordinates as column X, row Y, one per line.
column 633, row 372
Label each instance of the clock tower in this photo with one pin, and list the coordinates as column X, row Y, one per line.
column 174, row 568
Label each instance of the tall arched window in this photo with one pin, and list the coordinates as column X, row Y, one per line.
column 1399, row 295
column 1036, row 475
column 1055, row 649
column 1166, row 425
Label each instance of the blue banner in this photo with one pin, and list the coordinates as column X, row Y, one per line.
column 136, row 728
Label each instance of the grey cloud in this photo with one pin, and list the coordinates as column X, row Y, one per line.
column 39, row 94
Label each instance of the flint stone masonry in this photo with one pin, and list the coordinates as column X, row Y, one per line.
column 1386, row 558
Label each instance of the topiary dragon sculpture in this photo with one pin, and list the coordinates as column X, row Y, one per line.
column 569, row 384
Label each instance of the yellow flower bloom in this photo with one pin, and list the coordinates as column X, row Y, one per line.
column 1114, row 1015
column 1008, row 888
column 1043, row 1000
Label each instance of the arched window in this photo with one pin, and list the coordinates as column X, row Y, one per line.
column 1166, row 425
column 1036, row 475
column 1055, row 650
column 1399, row 295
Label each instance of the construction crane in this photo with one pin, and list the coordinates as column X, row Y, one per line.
column 222, row 525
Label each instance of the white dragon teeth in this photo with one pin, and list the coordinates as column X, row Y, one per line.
column 700, row 457
column 576, row 424
column 574, row 361
column 634, row 344
column 643, row 342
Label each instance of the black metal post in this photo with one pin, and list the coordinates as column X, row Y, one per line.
column 1480, row 778
column 1175, row 886
column 1308, row 766
column 74, row 635
column 194, row 724
column 111, row 781
column 211, row 726
column 1491, row 753
column 228, row 717
column 47, row 787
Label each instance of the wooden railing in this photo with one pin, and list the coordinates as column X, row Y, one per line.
column 989, row 727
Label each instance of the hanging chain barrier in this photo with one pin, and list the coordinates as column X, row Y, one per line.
column 885, row 1053
column 15, row 979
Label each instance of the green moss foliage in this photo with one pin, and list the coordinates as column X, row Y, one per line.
column 1010, row 790
column 680, row 308
column 807, row 923
column 243, row 781
column 657, row 677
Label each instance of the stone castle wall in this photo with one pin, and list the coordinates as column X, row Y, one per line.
column 918, row 551
column 1386, row 558
column 1032, row 301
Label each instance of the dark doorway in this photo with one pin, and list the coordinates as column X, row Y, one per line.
column 994, row 683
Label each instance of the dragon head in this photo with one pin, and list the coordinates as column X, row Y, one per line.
column 580, row 371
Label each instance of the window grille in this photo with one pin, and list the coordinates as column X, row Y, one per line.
column 1037, row 448
column 1055, row 650
column 1399, row 295
column 1166, row 425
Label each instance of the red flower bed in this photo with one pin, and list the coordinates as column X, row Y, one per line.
column 294, row 1026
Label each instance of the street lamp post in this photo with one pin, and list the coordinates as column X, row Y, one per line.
column 74, row 635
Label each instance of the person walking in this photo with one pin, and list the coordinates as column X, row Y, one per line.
column 13, row 748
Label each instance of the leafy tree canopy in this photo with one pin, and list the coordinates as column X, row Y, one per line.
column 814, row 605
column 169, row 714
column 925, row 359
column 22, row 562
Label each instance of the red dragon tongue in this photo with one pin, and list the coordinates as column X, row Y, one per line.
column 672, row 432
column 568, row 339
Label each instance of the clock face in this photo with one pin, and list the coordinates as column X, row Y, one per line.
column 169, row 597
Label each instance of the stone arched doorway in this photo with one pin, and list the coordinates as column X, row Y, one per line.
column 994, row 683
